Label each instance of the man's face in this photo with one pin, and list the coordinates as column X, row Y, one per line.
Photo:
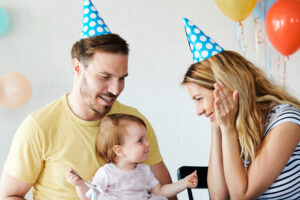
column 103, row 81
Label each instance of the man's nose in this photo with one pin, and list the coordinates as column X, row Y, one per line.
column 116, row 87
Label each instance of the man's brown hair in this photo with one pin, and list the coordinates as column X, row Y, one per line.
column 85, row 48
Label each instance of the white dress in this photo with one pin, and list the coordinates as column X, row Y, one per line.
column 117, row 184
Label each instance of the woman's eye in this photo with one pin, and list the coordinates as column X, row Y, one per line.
column 198, row 99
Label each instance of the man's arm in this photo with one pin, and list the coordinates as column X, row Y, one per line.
column 161, row 172
column 12, row 188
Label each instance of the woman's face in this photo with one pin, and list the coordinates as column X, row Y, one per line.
column 204, row 99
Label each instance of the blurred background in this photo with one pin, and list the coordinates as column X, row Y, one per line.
column 36, row 38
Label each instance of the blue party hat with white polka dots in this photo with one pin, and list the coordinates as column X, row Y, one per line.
column 201, row 45
column 92, row 23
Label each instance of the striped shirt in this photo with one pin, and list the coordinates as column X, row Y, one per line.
column 287, row 184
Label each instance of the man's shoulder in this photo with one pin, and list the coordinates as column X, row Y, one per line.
column 52, row 109
column 40, row 121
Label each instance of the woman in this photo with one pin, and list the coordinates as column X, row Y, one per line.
column 255, row 141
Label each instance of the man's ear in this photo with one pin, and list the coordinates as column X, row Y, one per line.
column 77, row 66
column 118, row 151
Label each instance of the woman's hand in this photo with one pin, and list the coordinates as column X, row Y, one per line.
column 214, row 125
column 225, row 105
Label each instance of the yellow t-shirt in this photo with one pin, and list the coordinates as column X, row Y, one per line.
column 52, row 140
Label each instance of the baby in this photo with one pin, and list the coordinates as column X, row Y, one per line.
column 122, row 143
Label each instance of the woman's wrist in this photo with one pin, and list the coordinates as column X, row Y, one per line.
column 215, row 128
column 228, row 129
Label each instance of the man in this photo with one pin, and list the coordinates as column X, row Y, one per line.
column 62, row 134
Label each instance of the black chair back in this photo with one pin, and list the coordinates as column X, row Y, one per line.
column 202, row 177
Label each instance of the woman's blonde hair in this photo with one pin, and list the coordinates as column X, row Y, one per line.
column 112, row 132
column 257, row 94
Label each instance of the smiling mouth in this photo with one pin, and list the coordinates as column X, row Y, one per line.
column 108, row 100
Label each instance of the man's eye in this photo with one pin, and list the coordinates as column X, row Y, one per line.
column 104, row 77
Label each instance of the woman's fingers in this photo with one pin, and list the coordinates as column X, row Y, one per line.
column 227, row 95
column 218, row 99
column 226, row 104
column 228, row 98
column 235, row 97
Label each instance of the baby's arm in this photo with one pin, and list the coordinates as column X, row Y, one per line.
column 170, row 190
column 79, row 184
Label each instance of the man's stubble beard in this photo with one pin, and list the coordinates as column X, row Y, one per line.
column 85, row 93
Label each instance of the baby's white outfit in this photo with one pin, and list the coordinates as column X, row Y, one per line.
column 118, row 184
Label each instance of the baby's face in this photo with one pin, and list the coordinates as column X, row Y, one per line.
column 136, row 146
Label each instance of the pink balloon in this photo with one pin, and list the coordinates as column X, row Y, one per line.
column 15, row 90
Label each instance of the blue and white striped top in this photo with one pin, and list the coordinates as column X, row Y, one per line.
column 287, row 184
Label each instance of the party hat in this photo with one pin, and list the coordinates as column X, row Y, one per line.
column 92, row 23
column 201, row 45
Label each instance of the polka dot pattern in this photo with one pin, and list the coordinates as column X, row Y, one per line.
column 92, row 23
column 201, row 45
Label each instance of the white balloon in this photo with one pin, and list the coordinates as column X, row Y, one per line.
column 15, row 90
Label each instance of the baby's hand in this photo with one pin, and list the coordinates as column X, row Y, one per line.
column 192, row 180
column 73, row 178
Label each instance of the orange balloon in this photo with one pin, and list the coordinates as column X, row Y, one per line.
column 15, row 90
column 283, row 26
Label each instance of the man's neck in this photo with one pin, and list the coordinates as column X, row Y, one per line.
column 80, row 108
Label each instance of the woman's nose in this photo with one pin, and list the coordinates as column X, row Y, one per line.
column 199, row 110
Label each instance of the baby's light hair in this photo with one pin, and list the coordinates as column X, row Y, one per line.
column 112, row 132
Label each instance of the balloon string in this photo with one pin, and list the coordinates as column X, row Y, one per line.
column 260, row 6
column 265, row 7
column 238, row 34
column 278, row 67
column 269, row 62
column 284, row 71
column 258, row 37
column 267, row 55
column 243, row 39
